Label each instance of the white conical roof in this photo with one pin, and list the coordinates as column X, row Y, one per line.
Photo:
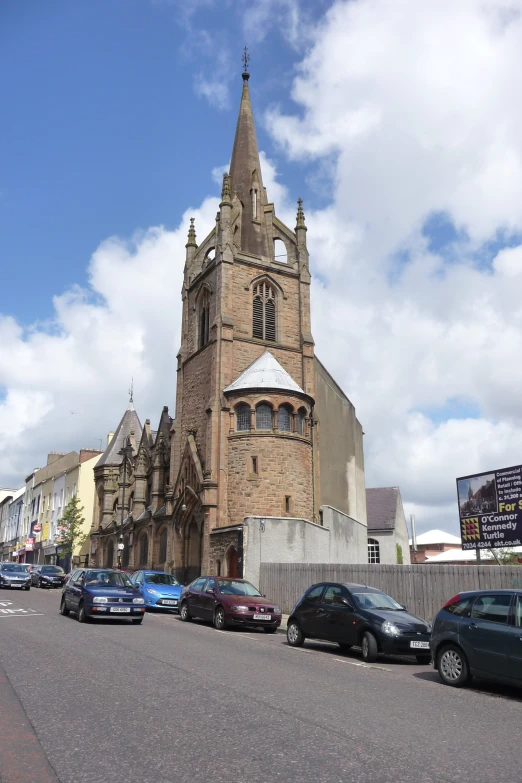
column 265, row 373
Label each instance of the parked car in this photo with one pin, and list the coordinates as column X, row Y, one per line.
column 358, row 616
column 14, row 575
column 479, row 633
column 102, row 593
column 48, row 576
column 159, row 589
column 226, row 602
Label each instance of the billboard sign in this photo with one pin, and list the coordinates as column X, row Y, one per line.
column 490, row 509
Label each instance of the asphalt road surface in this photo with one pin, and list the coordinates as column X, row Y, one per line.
column 169, row 702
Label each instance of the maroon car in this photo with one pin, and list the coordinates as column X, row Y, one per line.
column 226, row 602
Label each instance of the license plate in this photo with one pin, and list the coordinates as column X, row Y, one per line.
column 15, row 584
column 420, row 645
column 170, row 603
column 120, row 609
column 262, row 617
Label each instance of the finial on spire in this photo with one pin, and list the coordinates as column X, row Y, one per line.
column 246, row 60
column 226, row 191
column 300, row 214
column 131, row 396
column 191, row 234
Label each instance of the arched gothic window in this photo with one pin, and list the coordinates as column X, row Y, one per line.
column 144, row 549
column 264, row 312
column 243, row 417
column 125, row 553
column 300, row 422
column 280, row 252
column 374, row 551
column 163, row 546
column 283, row 419
column 264, row 420
column 204, row 319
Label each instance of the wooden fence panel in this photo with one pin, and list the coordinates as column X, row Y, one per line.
column 422, row 588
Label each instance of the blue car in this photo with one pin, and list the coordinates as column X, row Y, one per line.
column 101, row 593
column 158, row 589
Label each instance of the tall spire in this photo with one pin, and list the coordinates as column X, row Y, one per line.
column 245, row 175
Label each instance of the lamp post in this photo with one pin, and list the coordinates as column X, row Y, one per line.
column 126, row 450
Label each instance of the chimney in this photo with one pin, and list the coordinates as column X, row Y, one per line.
column 110, row 436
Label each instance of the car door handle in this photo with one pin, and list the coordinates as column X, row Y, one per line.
column 472, row 625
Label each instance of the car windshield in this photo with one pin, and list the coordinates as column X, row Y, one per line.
column 107, row 579
column 161, row 579
column 231, row 587
column 377, row 601
column 13, row 567
column 51, row 570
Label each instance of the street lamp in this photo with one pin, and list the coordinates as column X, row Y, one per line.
column 126, row 450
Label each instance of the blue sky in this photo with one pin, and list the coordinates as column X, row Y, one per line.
column 104, row 131
column 394, row 122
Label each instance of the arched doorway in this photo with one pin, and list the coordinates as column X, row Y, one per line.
column 232, row 562
column 109, row 560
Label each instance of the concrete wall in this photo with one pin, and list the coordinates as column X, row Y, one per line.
column 401, row 531
column 340, row 440
column 287, row 540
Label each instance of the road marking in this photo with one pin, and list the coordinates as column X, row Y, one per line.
column 363, row 665
column 6, row 603
column 33, row 614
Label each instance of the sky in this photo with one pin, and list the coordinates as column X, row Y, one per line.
column 399, row 126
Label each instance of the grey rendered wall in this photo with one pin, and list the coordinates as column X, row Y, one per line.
column 287, row 540
column 388, row 551
column 401, row 532
column 341, row 459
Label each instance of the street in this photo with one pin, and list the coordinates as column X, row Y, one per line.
column 168, row 701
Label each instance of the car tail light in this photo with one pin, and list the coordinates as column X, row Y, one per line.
column 454, row 600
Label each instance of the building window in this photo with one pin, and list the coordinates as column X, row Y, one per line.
column 131, row 502
column 144, row 549
column 264, row 420
column 280, row 252
column 264, row 312
column 163, row 546
column 300, row 421
column 288, row 504
column 283, row 419
column 254, row 203
column 204, row 319
column 254, row 464
column 110, row 554
column 243, row 417
column 374, row 554
column 218, row 567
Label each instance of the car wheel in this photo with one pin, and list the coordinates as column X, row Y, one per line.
column 270, row 630
column 184, row 612
column 40, row 583
column 137, row 621
column 63, row 607
column 219, row 619
column 369, row 647
column 27, row 587
column 345, row 647
column 423, row 660
column 294, row 635
column 453, row 666
column 81, row 615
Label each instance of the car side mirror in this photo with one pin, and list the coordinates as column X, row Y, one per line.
column 346, row 602
column 210, row 591
column 404, row 607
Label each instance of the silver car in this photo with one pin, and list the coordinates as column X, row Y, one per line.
column 15, row 575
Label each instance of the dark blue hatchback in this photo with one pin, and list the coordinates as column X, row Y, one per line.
column 479, row 633
column 102, row 593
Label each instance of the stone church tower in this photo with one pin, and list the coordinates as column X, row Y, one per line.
column 252, row 405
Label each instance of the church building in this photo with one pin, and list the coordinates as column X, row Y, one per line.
column 263, row 461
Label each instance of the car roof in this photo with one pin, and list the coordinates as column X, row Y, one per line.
column 349, row 585
column 500, row 591
column 152, row 571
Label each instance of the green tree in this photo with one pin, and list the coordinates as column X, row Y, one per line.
column 400, row 559
column 70, row 528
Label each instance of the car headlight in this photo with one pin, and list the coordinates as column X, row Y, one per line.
column 99, row 599
column 239, row 608
column 138, row 601
column 390, row 629
column 151, row 591
column 277, row 610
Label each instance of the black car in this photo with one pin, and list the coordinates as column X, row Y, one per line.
column 479, row 633
column 102, row 593
column 358, row 616
column 14, row 575
column 48, row 576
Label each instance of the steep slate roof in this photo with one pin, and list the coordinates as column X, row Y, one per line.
column 265, row 373
column 129, row 422
column 381, row 507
